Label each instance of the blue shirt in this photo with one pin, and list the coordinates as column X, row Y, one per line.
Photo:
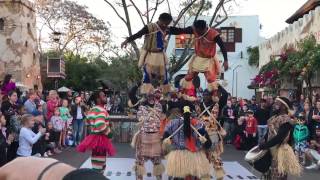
column 30, row 106
column 26, row 139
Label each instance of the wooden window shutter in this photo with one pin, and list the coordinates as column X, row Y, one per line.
column 238, row 35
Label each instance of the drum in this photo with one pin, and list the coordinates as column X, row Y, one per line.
column 260, row 160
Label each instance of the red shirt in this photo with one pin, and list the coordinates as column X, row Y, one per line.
column 51, row 106
column 251, row 125
column 205, row 45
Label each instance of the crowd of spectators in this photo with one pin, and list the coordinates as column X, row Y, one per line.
column 246, row 123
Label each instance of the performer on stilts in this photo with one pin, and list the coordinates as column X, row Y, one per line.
column 147, row 141
column 205, row 59
column 278, row 141
column 153, row 58
column 187, row 138
column 98, row 140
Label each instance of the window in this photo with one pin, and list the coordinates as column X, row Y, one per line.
column 28, row 25
column 231, row 35
column 26, row 44
column 228, row 34
column 1, row 24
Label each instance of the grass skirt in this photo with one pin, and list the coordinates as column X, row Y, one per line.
column 155, row 62
column 97, row 142
column 182, row 163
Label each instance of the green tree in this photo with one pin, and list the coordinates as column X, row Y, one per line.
column 121, row 72
column 253, row 56
column 193, row 10
column 80, row 73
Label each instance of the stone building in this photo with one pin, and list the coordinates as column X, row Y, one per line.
column 19, row 53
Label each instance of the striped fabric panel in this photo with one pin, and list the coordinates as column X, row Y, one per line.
column 98, row 162
column 97, row 119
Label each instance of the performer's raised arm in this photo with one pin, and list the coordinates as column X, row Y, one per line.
column 177, row 31
column 137, row 35
column 223, row 50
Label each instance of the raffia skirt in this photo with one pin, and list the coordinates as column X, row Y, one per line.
column 183, row 163
column 155, row 62
column 199, row 64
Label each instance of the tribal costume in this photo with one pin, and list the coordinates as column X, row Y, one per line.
column 98, row 141
column 205, row 59
column 148, row 140
column 187, row 158
column 153, row 58
column 216, row 134
column 279, row 137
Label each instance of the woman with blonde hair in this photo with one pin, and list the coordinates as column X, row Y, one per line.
column 52, row 104
column 27, row 137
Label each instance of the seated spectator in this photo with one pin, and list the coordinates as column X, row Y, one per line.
column 27, row 137
column 239, row 140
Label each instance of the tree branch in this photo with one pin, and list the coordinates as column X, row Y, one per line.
column 224, row 19
column 182, row 12
column 156, row 8
column 221, row 2
column 199, row 10
column 115, row 10
column 178, row 66
column 169, row 8
column 138, row 11
column 147, row 5
column 128, row 24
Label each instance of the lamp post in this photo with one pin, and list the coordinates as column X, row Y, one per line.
column 234, row 69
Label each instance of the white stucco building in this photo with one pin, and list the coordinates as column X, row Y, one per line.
column 19, row 54
column 242, row 32
column 305, row 21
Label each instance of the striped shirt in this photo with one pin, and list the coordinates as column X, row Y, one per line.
column 97, row 119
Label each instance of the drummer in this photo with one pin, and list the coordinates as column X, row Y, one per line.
column 279, row 133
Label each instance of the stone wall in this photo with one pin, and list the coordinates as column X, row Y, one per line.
column 18, row 42
column 308, row 24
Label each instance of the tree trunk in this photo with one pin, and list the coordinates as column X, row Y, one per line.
column 134, row 45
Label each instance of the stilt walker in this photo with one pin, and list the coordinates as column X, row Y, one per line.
column 98, row 140
column 153, row 59
column 205, row 59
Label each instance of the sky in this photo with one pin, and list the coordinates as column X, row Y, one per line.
column 272, row 14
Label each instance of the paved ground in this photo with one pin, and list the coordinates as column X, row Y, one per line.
column 124, row 151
